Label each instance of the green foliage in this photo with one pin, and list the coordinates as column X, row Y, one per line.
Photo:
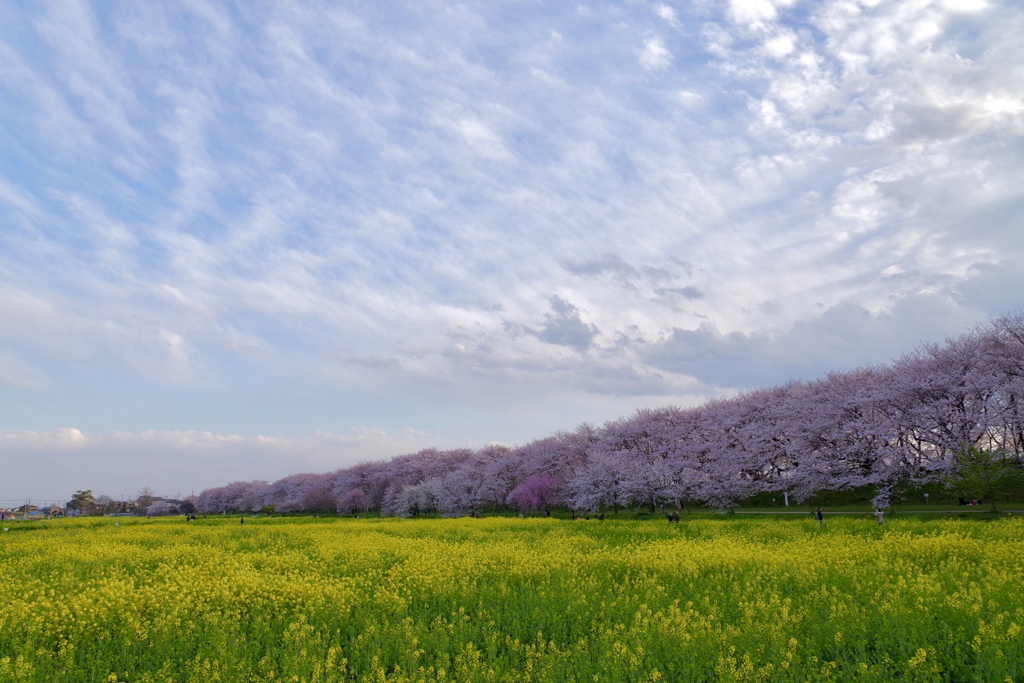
column 985, row 474
column 82, row 500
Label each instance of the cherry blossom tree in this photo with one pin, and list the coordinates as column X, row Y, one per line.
column 353, row 501
column 319, row 499
column 287, row 494
column 880, row 426
column 843, row 435
column 466, row 488
column 641, row 446
column 1001, row 358
column 538, row 492
column 491, row 463
column 598, row 484
column 161, row 507
column 238, row 496
column 410, row 500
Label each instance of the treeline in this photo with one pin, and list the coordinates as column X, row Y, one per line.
column 84, row 503
column 941, row 412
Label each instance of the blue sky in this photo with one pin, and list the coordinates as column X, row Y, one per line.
column 239, row 241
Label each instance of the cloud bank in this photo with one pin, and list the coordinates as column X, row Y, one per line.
column 175, row 463
column 487, row 221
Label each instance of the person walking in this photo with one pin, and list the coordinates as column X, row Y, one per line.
column 820, row 517
column 878, row 516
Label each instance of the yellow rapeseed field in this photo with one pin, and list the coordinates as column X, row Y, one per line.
column 317, row 600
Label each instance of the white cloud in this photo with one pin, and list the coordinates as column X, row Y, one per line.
column 755, row 13
column 655, row 56
column 92, row 73
column 482, row 140
column 667, row 13
column 781, row 45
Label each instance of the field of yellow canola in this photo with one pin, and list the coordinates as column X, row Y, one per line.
column 316, row 600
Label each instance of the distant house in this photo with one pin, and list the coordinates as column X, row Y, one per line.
column 21, row 510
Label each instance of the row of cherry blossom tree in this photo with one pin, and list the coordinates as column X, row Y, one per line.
column 875, row 426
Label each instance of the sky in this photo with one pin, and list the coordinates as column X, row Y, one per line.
column 245, row 240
